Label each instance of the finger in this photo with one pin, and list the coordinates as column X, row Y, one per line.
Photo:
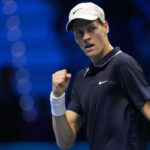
column 60, row 78
column 64, row 71
column 68, row 75
column 57, row 75
column 59, row 81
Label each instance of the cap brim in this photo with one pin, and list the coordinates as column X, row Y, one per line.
column 69, row 24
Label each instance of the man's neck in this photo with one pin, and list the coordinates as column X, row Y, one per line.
column 103, row 53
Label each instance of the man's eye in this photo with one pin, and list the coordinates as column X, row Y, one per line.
column 92, row 29
column 79, row 34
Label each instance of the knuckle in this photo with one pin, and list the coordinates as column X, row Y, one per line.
column 59, row 74
column 64, row 70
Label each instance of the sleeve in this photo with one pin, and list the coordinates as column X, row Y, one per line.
column 75, row 104
column 133, row 82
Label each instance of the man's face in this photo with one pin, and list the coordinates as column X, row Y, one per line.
column 91, row 36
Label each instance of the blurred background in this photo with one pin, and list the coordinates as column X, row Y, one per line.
column 34, row 44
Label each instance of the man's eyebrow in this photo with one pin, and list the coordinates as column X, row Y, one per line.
column 76, row 29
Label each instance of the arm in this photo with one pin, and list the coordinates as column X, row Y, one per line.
column 146, row 110
column 65, row 128
column 67, row 123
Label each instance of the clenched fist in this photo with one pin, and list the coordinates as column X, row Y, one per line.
column 60, row 82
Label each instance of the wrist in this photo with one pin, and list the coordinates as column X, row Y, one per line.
column 58, row 107
column 56, row 96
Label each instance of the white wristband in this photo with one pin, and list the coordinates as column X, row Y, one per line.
column 58, row 107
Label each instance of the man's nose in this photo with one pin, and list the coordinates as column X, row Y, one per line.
column 86, row 36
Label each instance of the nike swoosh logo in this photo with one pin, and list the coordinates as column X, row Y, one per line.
column 102, row 82
column 76, row 10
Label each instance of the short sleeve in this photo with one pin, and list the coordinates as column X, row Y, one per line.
column 75, row 104
column 133, row 82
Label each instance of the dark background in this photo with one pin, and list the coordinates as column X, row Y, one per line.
column 34, row 44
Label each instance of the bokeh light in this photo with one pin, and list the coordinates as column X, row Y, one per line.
column 30, row 115
column 6, row 1
column 26, row 102
column 9, row 7
column 13, row 22
column 19, row 61
column 24, row 86
column 14, row 35
column 18, row 49
column 22, row 73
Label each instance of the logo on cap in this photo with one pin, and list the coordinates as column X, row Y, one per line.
column 76, row 10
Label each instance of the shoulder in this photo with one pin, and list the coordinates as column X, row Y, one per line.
column 124, row 58
column 80, row 74
column 126, row 62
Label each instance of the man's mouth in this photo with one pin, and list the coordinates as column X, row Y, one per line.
column 87, row 46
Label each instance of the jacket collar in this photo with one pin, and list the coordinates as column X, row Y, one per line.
column 105, row 60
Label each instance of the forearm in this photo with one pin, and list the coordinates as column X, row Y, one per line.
column 64, row 125
column 62, row 129
column 146, row 110
column 64, row 134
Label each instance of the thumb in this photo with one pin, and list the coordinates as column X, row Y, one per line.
column 68, row 76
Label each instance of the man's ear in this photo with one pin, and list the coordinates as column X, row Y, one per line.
column 106, row 26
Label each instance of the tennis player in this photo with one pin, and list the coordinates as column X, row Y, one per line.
column 109, row 96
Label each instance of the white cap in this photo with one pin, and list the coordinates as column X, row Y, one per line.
column 86, row 11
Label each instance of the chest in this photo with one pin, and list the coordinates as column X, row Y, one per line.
column 99, row 91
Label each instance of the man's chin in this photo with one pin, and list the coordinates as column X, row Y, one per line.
column 90, row 55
